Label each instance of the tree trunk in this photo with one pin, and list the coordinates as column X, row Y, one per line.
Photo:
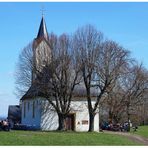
column 110, row 118
column 116, row 119
column 61, row 122
column 91, row 122
column 128, row 118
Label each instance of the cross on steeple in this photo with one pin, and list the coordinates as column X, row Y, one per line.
column 42, row 10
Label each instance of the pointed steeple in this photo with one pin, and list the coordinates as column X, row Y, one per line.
column 42, row 33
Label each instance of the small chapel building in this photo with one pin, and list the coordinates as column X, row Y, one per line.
column 35, row 110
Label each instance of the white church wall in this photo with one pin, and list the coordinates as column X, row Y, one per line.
column 96, row 122
column 82, row 121
column 80, row 108
column 49, row 117
column 46, row 117
column 82, row 116
column 29, row 119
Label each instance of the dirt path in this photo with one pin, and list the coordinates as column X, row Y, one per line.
column 135, row 138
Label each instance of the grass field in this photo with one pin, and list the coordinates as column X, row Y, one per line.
column 142, row 131
column 61, row 138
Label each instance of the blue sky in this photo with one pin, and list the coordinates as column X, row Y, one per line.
column 125, row 23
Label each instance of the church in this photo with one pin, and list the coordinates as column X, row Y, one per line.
column 33, row 104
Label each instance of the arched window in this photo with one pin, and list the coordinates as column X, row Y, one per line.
column 28, row 106
column 33, row 109
column 24, row 109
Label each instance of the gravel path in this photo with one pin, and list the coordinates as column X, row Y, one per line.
column 135, row 138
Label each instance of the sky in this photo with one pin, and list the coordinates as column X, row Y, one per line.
column 126, row 23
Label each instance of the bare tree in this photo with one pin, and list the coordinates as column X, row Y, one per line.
column 87, row 42
column 53, row 69
column 134, row 87
column 24, row 68
column 110, row 66
column 59, row 77
column 101, row 64
column 128, row 94
column 113, row 104
column 139, row 114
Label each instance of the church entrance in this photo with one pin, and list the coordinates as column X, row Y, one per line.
column 70, row 122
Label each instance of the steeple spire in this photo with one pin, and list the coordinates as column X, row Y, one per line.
column 42, row 33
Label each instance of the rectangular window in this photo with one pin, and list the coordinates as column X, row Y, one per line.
column 84, row 121
column 24, row 109
column 33, row 109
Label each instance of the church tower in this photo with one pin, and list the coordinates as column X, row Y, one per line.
column 41, row 49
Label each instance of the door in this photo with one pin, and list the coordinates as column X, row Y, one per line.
column 70, row 122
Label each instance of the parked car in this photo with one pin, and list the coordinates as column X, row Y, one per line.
column 4, row 125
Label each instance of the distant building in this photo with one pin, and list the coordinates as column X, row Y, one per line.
column 34, row 110
column 14, row 114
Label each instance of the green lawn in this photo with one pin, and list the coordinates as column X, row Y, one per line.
column 142, row 131
column 61, row 138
